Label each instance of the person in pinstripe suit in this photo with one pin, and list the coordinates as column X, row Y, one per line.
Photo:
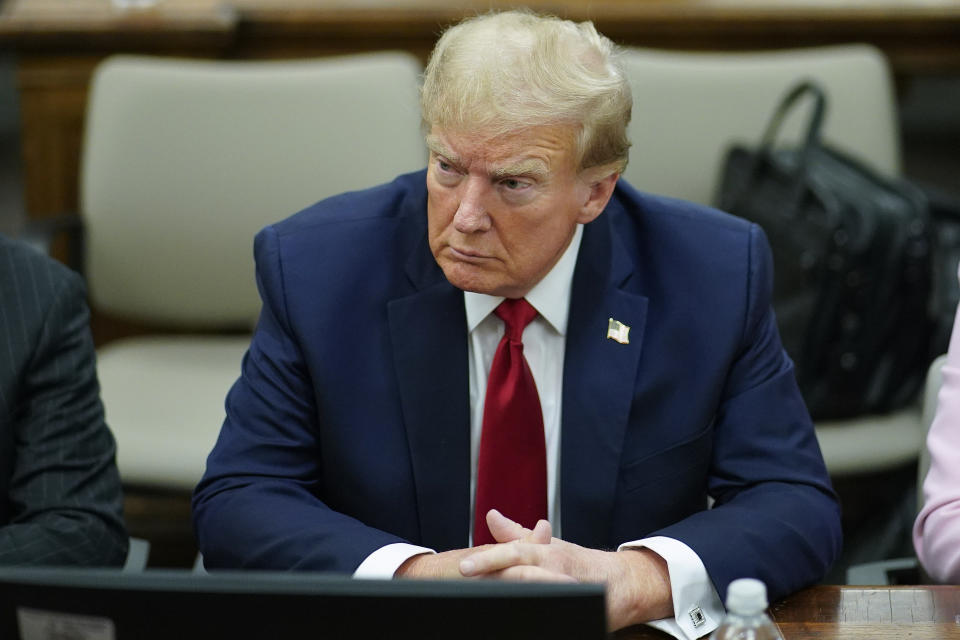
column 60, row 494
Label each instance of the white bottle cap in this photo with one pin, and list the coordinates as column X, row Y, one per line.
column 746, row 596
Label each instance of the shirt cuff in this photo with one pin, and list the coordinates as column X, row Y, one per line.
column 384, row 562
column 697, row 608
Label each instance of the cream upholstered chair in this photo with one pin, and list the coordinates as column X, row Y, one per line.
column 183, row 161
column 689, row 107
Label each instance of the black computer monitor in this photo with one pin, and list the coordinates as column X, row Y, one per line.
column 102, row 604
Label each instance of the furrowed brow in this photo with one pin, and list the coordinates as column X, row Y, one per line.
column 436, row 146
column 529, row 168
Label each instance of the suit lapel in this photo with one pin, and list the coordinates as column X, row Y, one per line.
column 598, row 384
column 429, row 337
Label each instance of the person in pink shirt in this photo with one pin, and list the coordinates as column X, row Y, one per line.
column 936, row 533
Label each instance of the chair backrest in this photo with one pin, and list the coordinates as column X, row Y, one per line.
column 689, row 107
column 184, row 160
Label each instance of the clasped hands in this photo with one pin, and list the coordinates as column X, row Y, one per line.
column 637, row 580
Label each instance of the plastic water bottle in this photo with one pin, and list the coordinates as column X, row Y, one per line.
column 746, row 617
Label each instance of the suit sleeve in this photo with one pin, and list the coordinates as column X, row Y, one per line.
column 64, row 487
column 259, row 503
column 775, row 515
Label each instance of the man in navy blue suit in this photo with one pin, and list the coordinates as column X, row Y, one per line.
column 679, row 453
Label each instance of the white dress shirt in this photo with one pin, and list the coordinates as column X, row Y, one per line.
column 697, row 606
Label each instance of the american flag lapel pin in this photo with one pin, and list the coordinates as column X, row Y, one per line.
column 618, row 331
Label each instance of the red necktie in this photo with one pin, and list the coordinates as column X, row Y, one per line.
column 512, row 465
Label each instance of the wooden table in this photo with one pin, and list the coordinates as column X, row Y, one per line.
column 859, row 613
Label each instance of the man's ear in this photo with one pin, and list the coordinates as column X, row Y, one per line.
column 600, row 183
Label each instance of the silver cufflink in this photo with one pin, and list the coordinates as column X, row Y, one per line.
column 696, row 615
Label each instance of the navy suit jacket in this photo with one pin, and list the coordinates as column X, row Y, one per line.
column 349, row 426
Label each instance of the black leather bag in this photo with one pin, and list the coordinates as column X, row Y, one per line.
column 852, row 253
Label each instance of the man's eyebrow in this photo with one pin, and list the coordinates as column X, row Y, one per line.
column 528, row 168
column 435, row 145
column 533, row 168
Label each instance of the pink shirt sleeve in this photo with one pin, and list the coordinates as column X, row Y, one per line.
column 936, row 533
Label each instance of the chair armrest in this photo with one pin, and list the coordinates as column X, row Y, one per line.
column 137, row 555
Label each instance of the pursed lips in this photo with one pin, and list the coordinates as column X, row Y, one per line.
column 467, row 255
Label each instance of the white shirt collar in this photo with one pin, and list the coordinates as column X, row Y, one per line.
column 550, row 297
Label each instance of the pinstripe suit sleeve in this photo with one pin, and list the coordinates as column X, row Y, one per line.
column 62, row 501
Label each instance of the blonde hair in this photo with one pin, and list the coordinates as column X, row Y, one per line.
column 511, row 70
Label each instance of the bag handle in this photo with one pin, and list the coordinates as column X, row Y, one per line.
column 764, row 153
column 812, row 139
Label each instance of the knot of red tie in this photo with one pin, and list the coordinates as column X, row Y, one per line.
column 516, row 315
